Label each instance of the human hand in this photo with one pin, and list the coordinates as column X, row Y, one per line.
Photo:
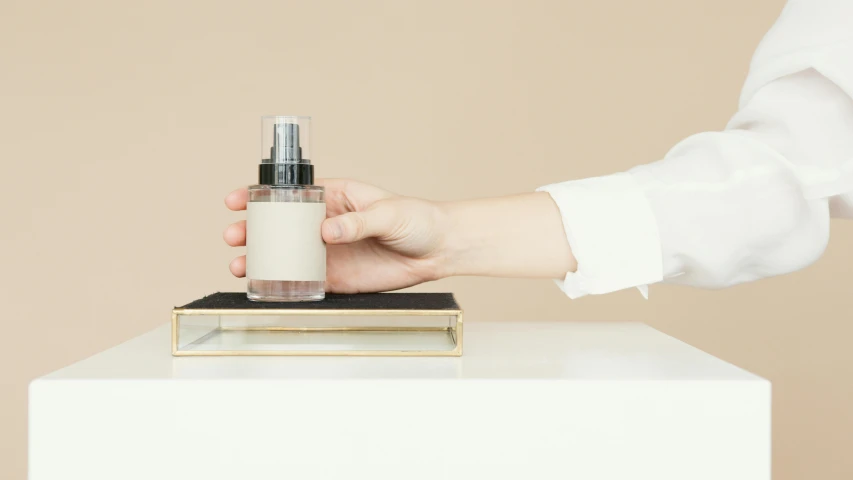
column 376, row 240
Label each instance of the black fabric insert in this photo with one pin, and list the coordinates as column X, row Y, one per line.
column 359, row 301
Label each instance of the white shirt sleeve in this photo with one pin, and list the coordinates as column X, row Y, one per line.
column 748, row 202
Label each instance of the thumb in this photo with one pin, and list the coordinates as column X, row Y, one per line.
column 351, row 227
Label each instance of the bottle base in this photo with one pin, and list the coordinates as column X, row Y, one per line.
column 285, row 291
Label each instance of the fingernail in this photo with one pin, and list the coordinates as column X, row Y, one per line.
column 337, row 232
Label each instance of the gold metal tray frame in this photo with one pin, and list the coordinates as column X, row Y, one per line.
column 455, row 333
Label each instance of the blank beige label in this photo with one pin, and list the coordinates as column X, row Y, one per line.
column 283, row 241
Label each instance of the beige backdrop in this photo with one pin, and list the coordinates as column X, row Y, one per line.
column 124, row 124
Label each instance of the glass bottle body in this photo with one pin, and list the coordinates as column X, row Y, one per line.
column 275, row 290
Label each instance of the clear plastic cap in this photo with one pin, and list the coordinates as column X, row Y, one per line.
column 285, row 139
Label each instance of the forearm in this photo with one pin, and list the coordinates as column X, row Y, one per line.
column 515, row 236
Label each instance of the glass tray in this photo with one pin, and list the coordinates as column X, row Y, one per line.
column 389, row 324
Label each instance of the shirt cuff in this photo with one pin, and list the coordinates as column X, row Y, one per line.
column 612, row 232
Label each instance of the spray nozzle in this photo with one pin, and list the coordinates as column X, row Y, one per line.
column 286, row 151
column 285, row 139
column 285, row 148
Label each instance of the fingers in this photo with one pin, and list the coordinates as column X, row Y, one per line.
column 377, row 221
column 238, row 266
column 235, row 234
column 237, row 199
column 355, row 207
column 350, row 196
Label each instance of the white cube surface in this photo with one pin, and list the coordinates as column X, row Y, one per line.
column 526, row 401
